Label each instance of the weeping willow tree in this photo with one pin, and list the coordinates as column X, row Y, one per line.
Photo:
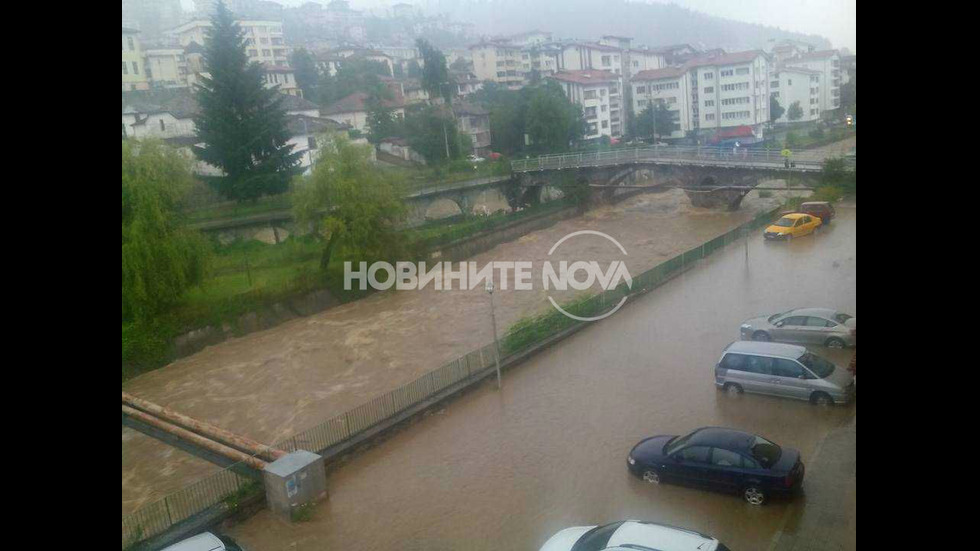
column 350, row 205
column 160, row 258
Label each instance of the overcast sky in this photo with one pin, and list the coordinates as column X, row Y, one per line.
column 833, row 19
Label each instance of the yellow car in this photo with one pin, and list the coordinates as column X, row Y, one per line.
column 793, row 225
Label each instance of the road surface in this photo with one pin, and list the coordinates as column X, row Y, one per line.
column 505, row 470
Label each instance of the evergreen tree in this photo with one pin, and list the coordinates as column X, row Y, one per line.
column 241, row 123
column 307, row 73
column 435, row 75
column 795, row 112
column 775, row 110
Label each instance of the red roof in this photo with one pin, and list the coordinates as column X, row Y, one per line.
column 657, row 74
column 725, row 59
column 588, row 76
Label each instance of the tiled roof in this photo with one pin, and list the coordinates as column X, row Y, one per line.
column 585, row 77
column 299, row 125
column 593, row 46
column 724, row 59
column 354, row 103
column 822, row 54
column 657, row 74
column 296, row 103
column 464, row 108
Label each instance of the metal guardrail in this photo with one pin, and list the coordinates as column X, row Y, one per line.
column 197, row 497
column 698, row 156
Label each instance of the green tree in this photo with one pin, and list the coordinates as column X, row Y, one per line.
column 414, row 71
column 241, row 122
column 552, row 121
column 307, row 73
column 161, row 258
column 655, row 120
column 848, row 94
column 381, row 120
column 775, row 110
column 432, row 133
column 351, row 205
column 435, row 75
column 795, row 112
column 836, row 174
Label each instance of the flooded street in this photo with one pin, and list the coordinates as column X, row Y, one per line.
column 506, row 469
column 269, row 384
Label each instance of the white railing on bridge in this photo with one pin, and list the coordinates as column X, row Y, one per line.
column 703, row 156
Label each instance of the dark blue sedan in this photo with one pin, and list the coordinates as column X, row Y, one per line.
column 721, row 459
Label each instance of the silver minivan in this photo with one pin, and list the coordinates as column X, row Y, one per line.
column 782, row 370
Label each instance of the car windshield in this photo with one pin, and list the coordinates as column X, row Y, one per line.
column 765, row 452
column 819, row 366
column 596, row 538
column 842, row 318
column 676, row 443
column 785, row 222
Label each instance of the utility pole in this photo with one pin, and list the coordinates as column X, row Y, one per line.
column 493, row 322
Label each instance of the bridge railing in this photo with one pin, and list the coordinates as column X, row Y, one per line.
column 672, row 155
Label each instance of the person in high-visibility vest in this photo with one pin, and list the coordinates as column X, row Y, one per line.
column 786, row 153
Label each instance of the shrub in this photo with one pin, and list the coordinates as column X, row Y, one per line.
column 817, row 134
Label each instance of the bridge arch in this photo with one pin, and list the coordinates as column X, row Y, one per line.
column 443, row 207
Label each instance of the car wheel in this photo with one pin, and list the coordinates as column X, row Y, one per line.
column 821, row 399
column 651, row 476
column 754, row 495
column 760, row 336
column 834, row 342
column 733, row 389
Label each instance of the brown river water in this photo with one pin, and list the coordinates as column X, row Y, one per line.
column 269, row 384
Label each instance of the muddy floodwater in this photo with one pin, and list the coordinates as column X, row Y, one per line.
column 506, row 469
column 269, row 384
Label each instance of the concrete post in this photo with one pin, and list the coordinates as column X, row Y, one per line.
column 293, row 480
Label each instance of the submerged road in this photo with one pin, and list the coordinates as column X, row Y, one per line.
column 505, row 470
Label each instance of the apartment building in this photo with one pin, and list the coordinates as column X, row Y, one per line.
column 166, row 67
column 500, row 62
column 264, row 41
column 599, row 93
column 729, row 90
column 791, row 85
column 133, row 73
column 669, row 86
column 581, row 56
column 530, row 38
column 645, row 59
column 283, row 77
column 474, row 121
column 828, row 64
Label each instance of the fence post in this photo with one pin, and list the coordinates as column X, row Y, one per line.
column 166, row 504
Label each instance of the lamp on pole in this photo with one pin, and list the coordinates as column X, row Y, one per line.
column 493, row 322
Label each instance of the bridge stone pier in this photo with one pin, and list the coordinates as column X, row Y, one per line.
column 466, row 196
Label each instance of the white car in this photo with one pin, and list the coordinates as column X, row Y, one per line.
column 631, row 535
column 206, row 542
column 476, row 159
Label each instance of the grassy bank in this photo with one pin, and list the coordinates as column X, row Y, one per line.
column 251, row 276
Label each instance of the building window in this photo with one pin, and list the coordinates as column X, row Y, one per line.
column 163, row 126
column 604, row 107
column 129, row 39
column 125, row 69
column 727, row 73
column 590, row 94
column 641, row 89
column 774, row 84
column 605, row 124
column 136, row 68
column 253, row 53
column 709, row 116
column 605, row 60
column 775, row 95
column 709, row 103
column 709, row 76
column 709, row 90
column 590, row 112
column 742, row 71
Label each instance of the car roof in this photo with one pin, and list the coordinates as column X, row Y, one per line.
column 766, row 348
column 201, row 542
column 821, row 312
column 658, row 536
column 821, row 203
column 721, row 437
column 794, row 215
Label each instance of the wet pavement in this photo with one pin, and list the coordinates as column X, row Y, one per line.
column 269, row 384
column 507, row 469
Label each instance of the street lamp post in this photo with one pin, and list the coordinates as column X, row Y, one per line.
column 493, row 322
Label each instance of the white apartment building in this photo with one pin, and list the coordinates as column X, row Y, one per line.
column 499, row 62
column 729, row 90
column 543, row 58
column 828, row 63
column 264, row 41
column 599, row 93
column 669, row 86
column 166, row 67
column 284, row 77
column 791, row 85
column 133, row 73
column 530, row 38
column 645, row 60
column 580, row 56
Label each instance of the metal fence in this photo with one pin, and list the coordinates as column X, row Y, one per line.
column 700, row 156
column 159, row 516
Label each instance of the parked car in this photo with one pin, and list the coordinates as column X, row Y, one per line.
column 823, row 326
column 476, row 159
column 792, row 225
column 631, row 535
column 721, row 459
column 785, row 370
column 821, row 209
column 206, row 542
